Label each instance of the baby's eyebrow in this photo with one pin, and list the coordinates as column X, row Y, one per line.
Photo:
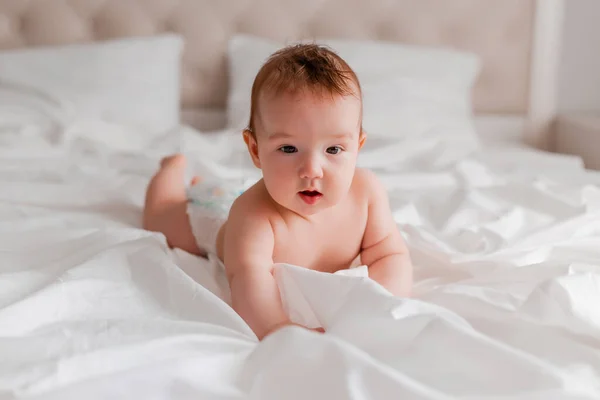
column 285, row 135
column 342, row 135
column 280, row 135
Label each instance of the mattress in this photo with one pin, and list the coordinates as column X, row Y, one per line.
column 507, row 273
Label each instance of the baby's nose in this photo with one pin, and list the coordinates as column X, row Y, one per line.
column 311, row 168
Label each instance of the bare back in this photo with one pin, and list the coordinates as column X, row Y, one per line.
column 329, row 241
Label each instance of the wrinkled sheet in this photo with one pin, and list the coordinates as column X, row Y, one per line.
column 505, row 242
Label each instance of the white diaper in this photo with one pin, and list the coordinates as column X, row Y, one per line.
column 209, row 202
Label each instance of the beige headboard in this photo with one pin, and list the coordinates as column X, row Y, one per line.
column 501, row 32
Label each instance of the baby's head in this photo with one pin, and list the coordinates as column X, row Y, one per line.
column 305, row 127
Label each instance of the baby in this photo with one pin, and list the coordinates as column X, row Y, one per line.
column 312, row 208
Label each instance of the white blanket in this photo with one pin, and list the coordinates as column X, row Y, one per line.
column 506, row 245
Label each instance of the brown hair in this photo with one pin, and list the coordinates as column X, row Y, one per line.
column 299, row 67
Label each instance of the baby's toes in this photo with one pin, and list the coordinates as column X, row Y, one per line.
column 195, row 180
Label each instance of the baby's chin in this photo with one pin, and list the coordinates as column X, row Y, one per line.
column 299, row 207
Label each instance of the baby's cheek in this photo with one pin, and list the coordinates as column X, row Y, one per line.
column 278, row 183
column 279, row 176
column 347, row 181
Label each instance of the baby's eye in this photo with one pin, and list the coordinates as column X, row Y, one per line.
column 288, row 149
column 334, row 150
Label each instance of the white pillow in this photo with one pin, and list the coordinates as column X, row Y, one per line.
column 407, row 90
column 133, row 81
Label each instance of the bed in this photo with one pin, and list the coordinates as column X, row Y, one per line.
column 503, row 234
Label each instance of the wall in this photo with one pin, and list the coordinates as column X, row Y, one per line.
column 579, row 74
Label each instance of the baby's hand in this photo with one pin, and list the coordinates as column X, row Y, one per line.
column 320, row 330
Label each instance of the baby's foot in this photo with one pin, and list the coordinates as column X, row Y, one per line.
column 175, row 160
column 177, row 163
column 165, row 206
column 167, row 184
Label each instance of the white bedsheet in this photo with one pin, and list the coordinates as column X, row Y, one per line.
column 506, row 245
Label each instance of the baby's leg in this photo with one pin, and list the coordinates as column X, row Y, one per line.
column 165, row 208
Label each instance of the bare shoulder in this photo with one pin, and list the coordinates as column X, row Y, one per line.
column 253, row 210
column 369, row 185
column 252, row 205
column 249, row 238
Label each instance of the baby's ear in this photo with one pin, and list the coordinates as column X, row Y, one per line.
column 252, row 147
column 362, row 139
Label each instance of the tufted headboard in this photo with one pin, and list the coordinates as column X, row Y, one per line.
column 516, row 39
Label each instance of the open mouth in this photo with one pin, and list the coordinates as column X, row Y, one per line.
column 311, row 193
column 310, row 196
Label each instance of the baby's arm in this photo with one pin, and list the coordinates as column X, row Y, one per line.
column 383, row 249
column 248, row 259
